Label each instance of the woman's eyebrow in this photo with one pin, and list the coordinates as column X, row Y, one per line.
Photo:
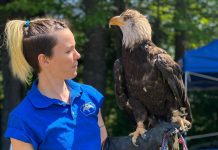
column 70, row 46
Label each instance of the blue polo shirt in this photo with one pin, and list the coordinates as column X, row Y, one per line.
column 51, row 124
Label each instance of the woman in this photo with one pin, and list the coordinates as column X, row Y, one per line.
column 57, row 113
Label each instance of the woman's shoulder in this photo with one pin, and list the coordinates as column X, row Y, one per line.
column 89, row 90
column 23, row 109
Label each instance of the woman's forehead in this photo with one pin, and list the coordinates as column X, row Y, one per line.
column 65, row 37
column 65, row 40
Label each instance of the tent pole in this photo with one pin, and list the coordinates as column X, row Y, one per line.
column 186, row 84
column 186, row 96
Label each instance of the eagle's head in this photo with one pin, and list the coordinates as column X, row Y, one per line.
column 134, row 26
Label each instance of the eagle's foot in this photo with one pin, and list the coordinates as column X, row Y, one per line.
column 185, row 125
column 139, row 131
column 179, row 118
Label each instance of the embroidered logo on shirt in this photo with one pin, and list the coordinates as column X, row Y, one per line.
column 88, row 108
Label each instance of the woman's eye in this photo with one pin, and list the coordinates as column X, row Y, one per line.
column 69, row 51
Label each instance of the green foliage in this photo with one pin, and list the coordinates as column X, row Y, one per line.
column 100, row 15
column 198, row 19
column 30, row 8
column 205, row 114
column 204, row 120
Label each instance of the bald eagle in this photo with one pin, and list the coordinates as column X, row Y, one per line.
column 148, row 82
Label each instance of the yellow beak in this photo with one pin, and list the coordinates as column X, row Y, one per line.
column 117, row 20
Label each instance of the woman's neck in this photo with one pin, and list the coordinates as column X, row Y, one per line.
column 53, row 88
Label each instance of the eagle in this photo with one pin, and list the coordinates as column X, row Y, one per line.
column 148, row 82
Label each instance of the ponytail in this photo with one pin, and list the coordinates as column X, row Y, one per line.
column 14, row 40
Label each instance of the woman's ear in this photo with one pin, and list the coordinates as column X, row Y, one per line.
column 43, row 60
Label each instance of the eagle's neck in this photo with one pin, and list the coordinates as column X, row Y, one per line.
column 141, row 46
column 133, row 36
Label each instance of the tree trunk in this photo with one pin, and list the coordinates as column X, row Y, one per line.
column 180, row 40
column 94, row 58
column 157, row 35
column 180, row 33
column 121, row 5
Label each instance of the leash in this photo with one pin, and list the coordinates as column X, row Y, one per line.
column 166, row 139
column 165, row 142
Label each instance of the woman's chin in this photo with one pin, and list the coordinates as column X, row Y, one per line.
column 73, row 75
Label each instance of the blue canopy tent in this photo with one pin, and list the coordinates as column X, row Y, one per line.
column 201, row 72
column 201, row 67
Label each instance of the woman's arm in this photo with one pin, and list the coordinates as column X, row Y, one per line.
column 102, row 127
column 19, row 145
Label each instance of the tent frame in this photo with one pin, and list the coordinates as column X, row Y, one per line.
column 187, row 75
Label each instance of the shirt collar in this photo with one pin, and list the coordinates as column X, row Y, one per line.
column 41, row 101
column 75, row 89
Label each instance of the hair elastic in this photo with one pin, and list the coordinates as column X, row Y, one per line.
column 27, row 23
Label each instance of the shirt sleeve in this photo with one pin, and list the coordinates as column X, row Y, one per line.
column 17, row 129
column 96, row 96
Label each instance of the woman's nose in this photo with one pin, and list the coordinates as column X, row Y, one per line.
column 77, row 55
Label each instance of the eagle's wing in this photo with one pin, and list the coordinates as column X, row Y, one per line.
column 172, row 73
column 121, row 96
column 120, row 88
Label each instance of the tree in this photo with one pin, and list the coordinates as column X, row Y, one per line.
column 94, row 72
column 180, row 28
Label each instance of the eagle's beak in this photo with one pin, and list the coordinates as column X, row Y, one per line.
column 117, row 20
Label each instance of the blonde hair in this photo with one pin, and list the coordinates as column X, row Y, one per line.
column 26, row 42
column 14, row 42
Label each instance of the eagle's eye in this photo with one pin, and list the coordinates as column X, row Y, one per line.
column 126, row 17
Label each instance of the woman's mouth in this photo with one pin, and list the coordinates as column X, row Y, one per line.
column 75, row 66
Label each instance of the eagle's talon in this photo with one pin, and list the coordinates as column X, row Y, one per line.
column 139, row 131
column 134, row 142
column 185, row 125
